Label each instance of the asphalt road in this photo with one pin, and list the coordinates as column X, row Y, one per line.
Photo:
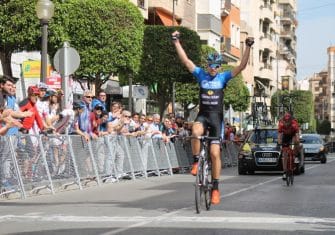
column 251, row 204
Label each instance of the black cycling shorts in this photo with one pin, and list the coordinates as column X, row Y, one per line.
column 213, row 122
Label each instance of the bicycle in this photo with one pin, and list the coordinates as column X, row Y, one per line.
column 290, row 168
column 203, row 180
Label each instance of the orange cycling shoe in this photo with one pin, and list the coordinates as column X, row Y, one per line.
column 215, row 197
column 194, row 170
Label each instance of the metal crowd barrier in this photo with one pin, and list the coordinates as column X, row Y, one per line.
column 31, row 165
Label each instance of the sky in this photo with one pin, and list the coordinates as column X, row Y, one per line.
column 315, row 33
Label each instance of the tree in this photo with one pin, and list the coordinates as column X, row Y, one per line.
column 236, row 93
column 19, row 30
column 108, row 35
column 160, row 64
column 302, row 106
column 324, row 127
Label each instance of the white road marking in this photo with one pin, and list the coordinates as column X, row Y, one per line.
column 256, row 222
column 253, row 222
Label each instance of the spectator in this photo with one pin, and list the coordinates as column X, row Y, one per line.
column 42, row 105
column 34, row 123
column 8, row 107
column 118, row 127
column 87, row 98
column 102, row 96
column 168, row 132
column 116, row 109
column 154, row 129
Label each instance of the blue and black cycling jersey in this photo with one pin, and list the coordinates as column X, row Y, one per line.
column 211, row 89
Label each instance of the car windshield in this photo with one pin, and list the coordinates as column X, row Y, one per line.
column 311, row 140
column 264, row 136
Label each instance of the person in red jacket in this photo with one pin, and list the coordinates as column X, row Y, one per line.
column 28, row 104
column 288, row 132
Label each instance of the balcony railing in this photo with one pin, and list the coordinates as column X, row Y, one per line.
column 209, row 22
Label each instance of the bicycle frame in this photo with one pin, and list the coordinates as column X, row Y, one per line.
column 203, row 184
column 288, row 152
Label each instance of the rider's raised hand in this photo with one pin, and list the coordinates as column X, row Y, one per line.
column 249, row 41
column 175, row 36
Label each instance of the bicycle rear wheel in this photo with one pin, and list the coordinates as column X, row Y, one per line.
column 199, row 190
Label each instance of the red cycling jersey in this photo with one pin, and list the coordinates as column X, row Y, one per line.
column 290, row 127
column 28, row 122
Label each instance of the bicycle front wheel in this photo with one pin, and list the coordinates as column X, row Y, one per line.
column 292, row 177
column 199, row 190
column 288, row 178
column 207, row 185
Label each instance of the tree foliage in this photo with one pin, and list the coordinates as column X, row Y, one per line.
column 19, row 30
column 324, row 127
column 236, row 93
column 160, row 63
column 302, row 106
column 108, row 34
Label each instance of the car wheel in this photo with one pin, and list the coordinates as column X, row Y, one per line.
column 241, row 171
column 302, row 169
column 251, row 172
column 297, row 170
column 323, row 159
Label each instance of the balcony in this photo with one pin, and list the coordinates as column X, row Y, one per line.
column 287, row 34
column 266, row 42
column 265, row 71
column 207, row 22
column 225, row 7
column 267, row 12
column 290, row 2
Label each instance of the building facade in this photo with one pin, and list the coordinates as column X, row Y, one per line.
column 331, row 75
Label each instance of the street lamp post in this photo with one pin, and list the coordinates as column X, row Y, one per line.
column 44, row 11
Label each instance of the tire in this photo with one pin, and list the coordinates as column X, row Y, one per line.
column 199, row 194
column 208, row 186
column 288, row 179
column 323, row 159
column 251, row 172
column 292, row 178
column 302, row 169
column 297, row 170
column 208, row 198
column 241, row 171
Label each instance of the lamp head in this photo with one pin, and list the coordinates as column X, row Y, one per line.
column 44, row 10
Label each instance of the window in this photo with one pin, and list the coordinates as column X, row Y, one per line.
column 235, row 35
column 140, row 3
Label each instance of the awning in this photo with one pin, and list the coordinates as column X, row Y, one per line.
column 166, row 18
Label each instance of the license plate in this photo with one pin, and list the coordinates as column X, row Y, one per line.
column 269, row 159
column 308, row 158
column 309, row 150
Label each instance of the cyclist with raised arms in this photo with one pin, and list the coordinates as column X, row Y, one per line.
column 210, row 116
column 288, row 132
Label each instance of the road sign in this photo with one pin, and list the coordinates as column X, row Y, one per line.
column 66, row 61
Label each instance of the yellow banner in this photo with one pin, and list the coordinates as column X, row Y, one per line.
column 32, row 69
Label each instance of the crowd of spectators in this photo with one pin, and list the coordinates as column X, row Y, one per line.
column 41, row 113
column 91, row 118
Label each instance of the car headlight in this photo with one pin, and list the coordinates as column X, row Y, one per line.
column 322, row 148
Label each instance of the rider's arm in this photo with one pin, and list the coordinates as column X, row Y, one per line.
column 280, row 132
column 181, row 53
column 245, row 58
